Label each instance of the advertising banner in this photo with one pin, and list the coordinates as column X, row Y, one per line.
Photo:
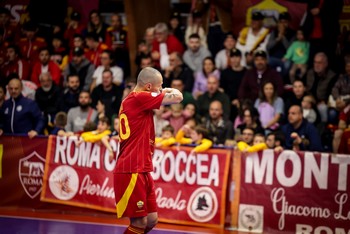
column 294, row 192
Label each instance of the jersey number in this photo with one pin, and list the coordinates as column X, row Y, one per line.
column 124, row 131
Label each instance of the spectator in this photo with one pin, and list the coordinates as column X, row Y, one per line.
column 176, row 27
column 15, row 64
column 194, row 25
column 201, row 77
column 2, row 95
column 199, row 136
column 175, row 116
column 279, row 41
column 70, row 95
column 247, row 136
column 258, row 144
column 178, row 70
column 269, row 106
column 163, row 45
column 298, row 54
column 220, row 130
column 75, row 26
column 107, row 63
column 260, row 74
column 299, row 133
column 319, row 82
column 78, row 116
column 190, row 111
column 58, row 52
column 47, row 97
column 159, row 122
column 103, row 110
column 95, row 49
column 251, row 120
column 296, row 96
column 108, row 92
column 341, row 90
column 231, row 79
column 44, row 64
column 11, row 29
column 167, row 138
column 96, row 26
column 343, row 126
column 145, row 46
column 81, row 67
column 223, row 57
column 78, row 42
column 187, row 96
column 254, row 37
column 59, row 123
column 309, row 105
column 195, row 53
column 212, row 94
column 115, row 129
column 20, row 115
column 275, row 141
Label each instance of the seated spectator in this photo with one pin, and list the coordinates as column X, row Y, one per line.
column 107, row 63
column 220, row 130
column 201, row 77
column 247, row 136
column 187, row 96
column 195, row 53
column 275, row 141
column 59, row 123
column 190, row 111
column 199, row 136
column 250, row 120
column 255, row 77
column 298, row 54
column 115, row 128
column 44, row 64
column 58, row 52
column 145, row 46
column 269, row 106
column 103, row 110
column 95, row 48
column 175, row 116
column 70, row 96
column 242, row 106
column 27, row 119
column 159, row 122
column 74, row 26
column 96, row 25
column 213, row 94
column 223, row 57
column 296, row 96
column 15, row 64
column 258, row 144
column 194, row 25
column 78, row 116
column 299, row 133
column 309, row 108
column 176, row 27
column 343, row 125
column 78, row 42
column 47, row 97
column 101, row 134
column 167, row 138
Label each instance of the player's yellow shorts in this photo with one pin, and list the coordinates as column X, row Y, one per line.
column 134, row 194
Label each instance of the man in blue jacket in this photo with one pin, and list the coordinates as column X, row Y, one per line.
column 299, row 133
column 20, row 115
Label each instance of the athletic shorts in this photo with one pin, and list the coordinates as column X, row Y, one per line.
column 134, row 194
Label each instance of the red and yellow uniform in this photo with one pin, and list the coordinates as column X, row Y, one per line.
column 94, row 55
column 133, row 184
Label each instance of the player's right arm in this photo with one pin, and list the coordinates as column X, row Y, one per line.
column 171, row 96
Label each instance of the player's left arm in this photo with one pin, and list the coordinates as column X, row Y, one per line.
column 171, row 96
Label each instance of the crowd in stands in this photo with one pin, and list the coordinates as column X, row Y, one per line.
column 262, row 88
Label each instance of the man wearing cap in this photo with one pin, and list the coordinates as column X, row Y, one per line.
column 254, row 37
column 279, row 41
column 231, row 78
column 82, row 67
column 257, row 76
column 222, row 58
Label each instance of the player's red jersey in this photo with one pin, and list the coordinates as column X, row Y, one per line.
column 136, row 132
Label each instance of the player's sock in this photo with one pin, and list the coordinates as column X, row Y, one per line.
column 134, row 230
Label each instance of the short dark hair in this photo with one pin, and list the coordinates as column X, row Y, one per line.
column 61, row 119
column 104, row 119
column 168, row 128
column 200, row 129
column 194, row 35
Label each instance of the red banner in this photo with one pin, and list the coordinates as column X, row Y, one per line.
column 294, row 192
column 79, row 175
column 191, row 188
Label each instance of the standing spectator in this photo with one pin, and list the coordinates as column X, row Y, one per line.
column 96, row 26
column 47, row 97
column 108, row 92
column 178, row 70
column 44, row 64
column 95, row 49
column 15, row 64
column 201, row 77
column 70, row 95
column 81, row 67
column 20, row 115
column 319, row 82
column 107, row 63
column 78, row 116
column 195, row 54
column 194, row 25
column 220, row 129
column 176, row 27
column 299, row 133
column 270, row 107
column 260, row 74
column 298, row 54
column 75, row 26
column 254, row 37
column 223, row 57
column 231, row 79
column 279, row 41
column 31, row 44
column 163, row 45
column 212, row 94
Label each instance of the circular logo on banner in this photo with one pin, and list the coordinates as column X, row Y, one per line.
column 250, row 218
column 64, row 182
column 202, row 205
